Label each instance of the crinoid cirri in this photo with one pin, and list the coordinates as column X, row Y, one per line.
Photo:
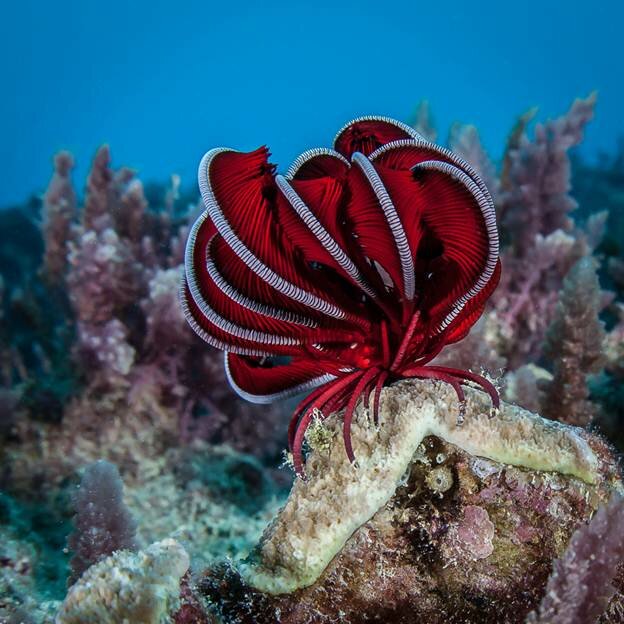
column 351, row 271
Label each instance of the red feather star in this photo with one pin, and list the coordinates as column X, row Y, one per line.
column 351, row 271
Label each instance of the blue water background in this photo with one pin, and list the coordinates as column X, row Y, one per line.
column 162, row 82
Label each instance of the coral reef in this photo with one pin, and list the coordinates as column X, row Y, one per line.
column 437, row 522
column 112, row 266
column 314, row 524
column 434, row 522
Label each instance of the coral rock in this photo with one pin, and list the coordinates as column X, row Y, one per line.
column 141, row 588
column 376, row 542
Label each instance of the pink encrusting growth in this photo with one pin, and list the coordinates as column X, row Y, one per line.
column 350, row 272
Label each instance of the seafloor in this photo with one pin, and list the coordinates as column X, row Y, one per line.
column 119, row 433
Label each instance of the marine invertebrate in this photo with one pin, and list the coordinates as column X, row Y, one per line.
column 103, row 523
column 359, row 265
column 440, row 479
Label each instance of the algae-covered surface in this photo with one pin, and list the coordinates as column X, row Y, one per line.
column 137, row 486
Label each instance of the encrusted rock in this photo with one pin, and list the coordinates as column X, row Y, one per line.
column 376, row 542
column 142, row 588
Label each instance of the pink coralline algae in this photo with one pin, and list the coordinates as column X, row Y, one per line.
column 475, row 533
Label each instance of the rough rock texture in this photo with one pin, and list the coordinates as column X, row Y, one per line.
column 460, row 526
column 142, row 588
column 20, row 597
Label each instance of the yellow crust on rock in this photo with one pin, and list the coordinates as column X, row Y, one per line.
column 338, row 497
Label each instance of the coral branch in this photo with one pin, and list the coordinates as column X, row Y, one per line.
column 535, row 195
column 534, row 208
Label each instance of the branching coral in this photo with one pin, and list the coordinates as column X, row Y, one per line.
column 113, row 307
column 103, row 191
column 575, row 342
column 104, row 277
column 535, row 195
column 525, row 301
column 131, row 213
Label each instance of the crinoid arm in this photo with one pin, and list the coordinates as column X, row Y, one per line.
column 349, row 273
